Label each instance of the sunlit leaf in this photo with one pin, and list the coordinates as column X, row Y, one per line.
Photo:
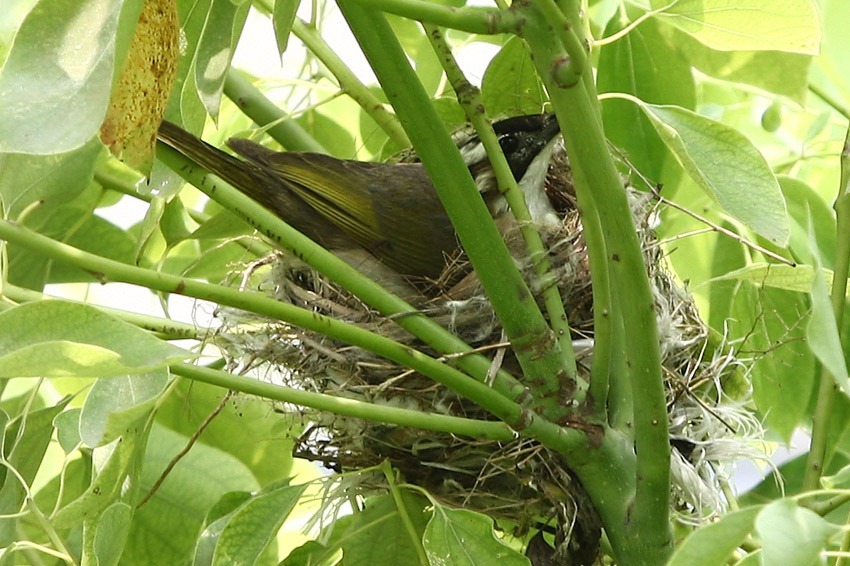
column 64, row 339
column 786, row 25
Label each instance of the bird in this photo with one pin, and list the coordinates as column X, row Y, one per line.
column 366, row 211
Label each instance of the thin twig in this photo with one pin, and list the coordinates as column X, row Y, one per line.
column 215, row 412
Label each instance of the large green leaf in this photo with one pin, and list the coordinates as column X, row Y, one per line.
column 377, row 534
column 774, row 71
column 727, row 166
column 56, row 83
column 268, row 455
column 165, row 529
column 64, row 339
column 786, row 25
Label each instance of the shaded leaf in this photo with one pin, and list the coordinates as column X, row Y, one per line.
column 282, row 18
column 378, row 531
column 108, row 535
column 25, row 442
column 510, row 86
column 165, row 529
column 462, row 537
column 647, row 65
column 249, row 529
column 221, row 30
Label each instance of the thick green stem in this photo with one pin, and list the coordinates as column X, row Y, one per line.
column 344, row 406
column 532, row 340
column 647, row 538
column 472, row 20
column 263, row 111
column 469, row 98
column 827, row 387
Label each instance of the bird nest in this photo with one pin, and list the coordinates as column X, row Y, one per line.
column 519, row 480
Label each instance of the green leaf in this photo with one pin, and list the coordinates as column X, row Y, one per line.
column 109, row 535
column 64, row 339
column 790, row 25
column 77, row 227
column 113, row 405
column 774, row 71
column 224, row 224
column 822, row 328
column 377, row 534
column 51, row 181
column 778, row 275
column 311, row 553
column 116, row 461
column 461, row 537
column 838, row 480
column 215, row 50
column 25, row 442
column 649, row 66
column 214, row 522
column 510, row 86
column 268, row 455
column 808, row 208
column 251, row 527
column 165, row 529
column 714, row 543
column 282, row 18
column 726, row 256
column 67, row 425
column 748, row 191
column 57, row 79
column 791, row 534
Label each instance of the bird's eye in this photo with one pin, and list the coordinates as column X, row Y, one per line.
column 509, row 143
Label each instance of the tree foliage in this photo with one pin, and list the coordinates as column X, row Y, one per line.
column 135, row 439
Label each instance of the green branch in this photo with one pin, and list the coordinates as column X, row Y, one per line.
column 471, row 20
column 491, row 430
column 469, row 98
column 109, row 270
column 286, row 131
column 532, row 340
column 646, row 537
